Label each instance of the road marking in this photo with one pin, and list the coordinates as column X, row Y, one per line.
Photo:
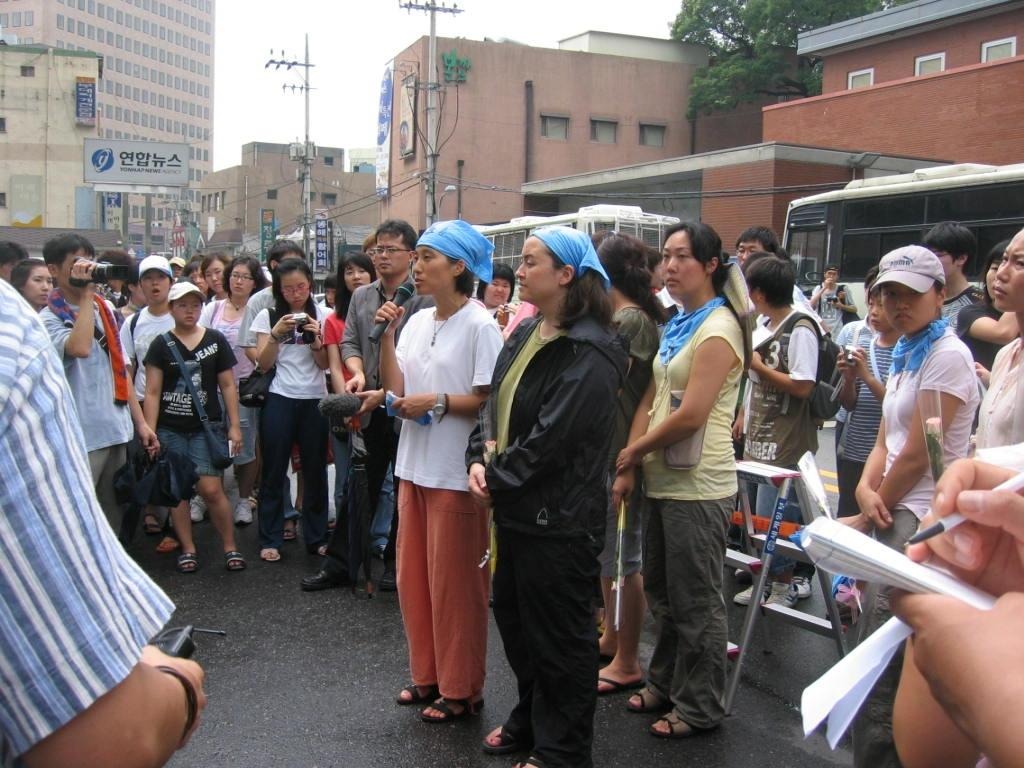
column 831, row 488
column 828, row 473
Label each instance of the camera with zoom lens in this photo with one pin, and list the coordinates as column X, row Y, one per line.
column 302, row 336
column 104, row 272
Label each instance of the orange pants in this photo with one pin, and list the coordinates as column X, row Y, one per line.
column 442, row 590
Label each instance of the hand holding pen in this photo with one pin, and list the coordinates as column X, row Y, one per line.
column 987, row 548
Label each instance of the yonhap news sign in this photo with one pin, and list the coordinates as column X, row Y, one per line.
column 116, row 161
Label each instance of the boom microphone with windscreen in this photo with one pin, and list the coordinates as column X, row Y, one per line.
column 337, row 408
column 403, row 294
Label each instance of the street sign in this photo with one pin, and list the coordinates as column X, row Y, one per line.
column 154, row 163
column 322, row 259
column 266, row 231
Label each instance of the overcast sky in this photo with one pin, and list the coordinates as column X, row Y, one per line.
column 351, row 41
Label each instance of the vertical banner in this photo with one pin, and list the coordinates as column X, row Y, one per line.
column 407, row 118
column 112, row 211
column 266, row 231
column 26, row 201
column 322, row 258
column 85, row 101
column 384, row 134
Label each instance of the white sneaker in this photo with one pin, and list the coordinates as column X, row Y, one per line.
column 743, row 576
column 802, row 585
column 243, row 512
column 743, row 598
column 197, row 509
column 783, row 594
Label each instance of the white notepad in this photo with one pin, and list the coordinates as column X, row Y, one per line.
column 837, row 548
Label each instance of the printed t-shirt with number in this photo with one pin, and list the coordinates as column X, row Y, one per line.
column 714, row 477
column 948, row 368
column 211, row 356
column 780, row 429
column 298, row 376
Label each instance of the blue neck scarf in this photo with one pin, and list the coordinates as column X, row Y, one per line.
column 910, row 352
column 682, row 326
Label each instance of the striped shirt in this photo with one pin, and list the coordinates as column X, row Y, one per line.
column 75, row 610
column 864, row 421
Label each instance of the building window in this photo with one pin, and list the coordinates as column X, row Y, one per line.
column 271, row 194
column 3, row 199
column 862, row 78
column 16, row 19
column 999, row 49
column 28, row 71
column 930, row 64
column 603, row 131
column 330, row 198
column 328, row 160
column 552, row 127
column 652, row 135
column 3, row 125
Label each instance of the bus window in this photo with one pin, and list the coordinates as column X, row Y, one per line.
column 807, row 250
column 861, row 252
column 1005, row 201
column 886, row 212
column 988, row 237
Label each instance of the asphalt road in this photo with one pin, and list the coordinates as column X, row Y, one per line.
column 309, row 680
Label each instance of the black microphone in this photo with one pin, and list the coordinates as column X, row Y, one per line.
column 337, row 408
column 405, row 292
column 340, row 406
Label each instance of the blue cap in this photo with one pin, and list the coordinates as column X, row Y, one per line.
column 459, row 240
column 574, row 248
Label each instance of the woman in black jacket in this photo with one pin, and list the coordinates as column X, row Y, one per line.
column 539, row 460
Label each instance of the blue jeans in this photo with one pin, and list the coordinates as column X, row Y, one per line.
column 286, row 421
column 380, row 527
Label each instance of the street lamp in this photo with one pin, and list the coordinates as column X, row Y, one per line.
column 449, row 188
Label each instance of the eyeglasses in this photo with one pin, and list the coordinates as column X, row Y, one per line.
column 242, row 276
column 295, row 289
column 388, row 251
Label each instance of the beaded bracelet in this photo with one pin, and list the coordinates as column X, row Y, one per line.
column 191, row 701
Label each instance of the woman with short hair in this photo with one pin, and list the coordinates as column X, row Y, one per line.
column 439, row 374
column 540, row 460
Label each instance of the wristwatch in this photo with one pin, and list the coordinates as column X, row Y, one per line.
column 440, row 406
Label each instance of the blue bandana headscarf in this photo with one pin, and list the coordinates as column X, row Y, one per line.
column 682, row 326
column 459, row 240
column 574, row 248
column 910, row 352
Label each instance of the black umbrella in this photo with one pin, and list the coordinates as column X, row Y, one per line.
column 163, row 481
column 360, row 512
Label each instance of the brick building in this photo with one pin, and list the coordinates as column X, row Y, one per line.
column 936, row 78
column 520, row 113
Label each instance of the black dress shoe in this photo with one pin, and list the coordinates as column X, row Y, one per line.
column 324, row 580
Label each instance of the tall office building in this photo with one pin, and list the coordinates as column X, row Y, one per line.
column 157, row 71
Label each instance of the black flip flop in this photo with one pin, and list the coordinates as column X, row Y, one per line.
column 617, row 687
column 449, row 715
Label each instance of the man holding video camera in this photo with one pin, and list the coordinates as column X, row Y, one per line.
column 84, row 331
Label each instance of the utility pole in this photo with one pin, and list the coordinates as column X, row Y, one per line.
column 307, row 152
column 433, row 122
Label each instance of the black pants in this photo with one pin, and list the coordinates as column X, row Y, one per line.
column 543, row 609
column 381, row 450
column 849, row 477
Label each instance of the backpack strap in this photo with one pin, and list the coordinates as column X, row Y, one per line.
column 132, row 324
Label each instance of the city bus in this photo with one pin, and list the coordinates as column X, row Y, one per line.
column 508, row 238
column 855, row 226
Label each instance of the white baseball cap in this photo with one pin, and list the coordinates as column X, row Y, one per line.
column 913, row 266
column 158, row 263
column 183, row 288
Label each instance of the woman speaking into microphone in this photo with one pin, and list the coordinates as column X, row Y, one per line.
column 439, row 375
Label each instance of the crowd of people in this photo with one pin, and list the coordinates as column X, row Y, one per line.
column 574, row 425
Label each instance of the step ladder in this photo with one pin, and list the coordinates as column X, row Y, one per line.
column 763, row 547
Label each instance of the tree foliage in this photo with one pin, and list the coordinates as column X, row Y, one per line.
column 752, row 44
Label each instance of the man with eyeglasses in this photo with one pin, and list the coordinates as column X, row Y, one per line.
column 392, row 255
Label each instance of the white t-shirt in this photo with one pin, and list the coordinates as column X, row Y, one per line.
column 948, row 368
column 298, row 376
column 136, row 344
column 463, row 357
